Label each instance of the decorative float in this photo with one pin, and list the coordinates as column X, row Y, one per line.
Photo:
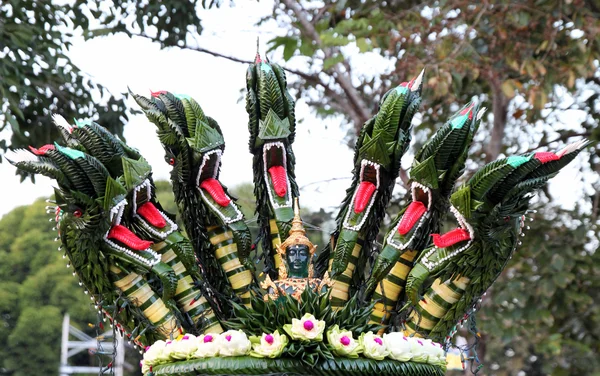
column 198, row 304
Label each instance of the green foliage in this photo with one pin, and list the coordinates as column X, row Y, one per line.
column 268, row 316
column 36, row 290
column 544, row 315
column 36, row 345
column 38, row 78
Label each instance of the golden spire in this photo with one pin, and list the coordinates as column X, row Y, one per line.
column 297, row 234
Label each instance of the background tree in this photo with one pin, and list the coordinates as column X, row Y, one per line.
column 36, row 290
column 37, row 78
column 492, row 50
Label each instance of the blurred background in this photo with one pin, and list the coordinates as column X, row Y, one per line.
column 533, row 63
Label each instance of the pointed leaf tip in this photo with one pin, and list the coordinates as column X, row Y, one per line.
column 42, row 150
column 61, row 122
column 416, row 83
column 468, row 110
column 19, row 156
column 575, row 146
column 481, row 113
column 155, row 94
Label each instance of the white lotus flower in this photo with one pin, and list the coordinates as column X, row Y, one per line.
column 233, row 343
column 155, row 354
column 308, row 328
column 269, row 345
column 373, row 346
column 398, row 346
column 418, row 350
column 184, row 347
column 207, row 346
column 342, row 343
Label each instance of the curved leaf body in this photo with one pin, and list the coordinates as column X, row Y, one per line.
column 272, row 124
column 194, row 144
column 435, row 169
column 382, row 142
column 139, row 292
column 461, row 265
column 188, row 296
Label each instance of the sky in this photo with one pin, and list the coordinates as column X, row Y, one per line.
column 324, row 162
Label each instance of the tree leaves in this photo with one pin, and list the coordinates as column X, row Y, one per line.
column 331, row 61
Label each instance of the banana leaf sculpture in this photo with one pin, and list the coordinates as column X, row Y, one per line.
column 107, row 219
column 435, row 169
column 194, row 144
column 452, row 274
column 272, row 127
column 155, row 284
column 381, row 144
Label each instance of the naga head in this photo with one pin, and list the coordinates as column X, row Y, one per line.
column 93, row 221
column 272, row 125
column 194, row 145
column 436, row 167
column 381, row 144
column 138, row 208
column 489, row 212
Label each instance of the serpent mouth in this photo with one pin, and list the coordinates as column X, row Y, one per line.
column 148, row 215
column 463, row 233
column 207, row 179
column 414, row 216
column 369, row 183
column 122, row 240
column 421, row 204
column 276, row 174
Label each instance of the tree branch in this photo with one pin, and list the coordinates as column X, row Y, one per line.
column 312, row 78
column 359, row 107
column 563, row 138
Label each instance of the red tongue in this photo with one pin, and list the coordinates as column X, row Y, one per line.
column 450, row 238
column 413, row 213
column 365, row 191
column 215, row 190
column 151, row 214
column 128, row 238
column 279, row 179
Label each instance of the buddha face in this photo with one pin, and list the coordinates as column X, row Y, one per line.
column 297, row 258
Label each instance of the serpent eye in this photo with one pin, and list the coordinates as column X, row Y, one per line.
column 172, row 161
column 77, row 213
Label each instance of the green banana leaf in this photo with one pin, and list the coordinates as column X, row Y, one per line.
column 261, row 366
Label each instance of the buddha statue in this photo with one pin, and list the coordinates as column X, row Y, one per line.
column 296, row 270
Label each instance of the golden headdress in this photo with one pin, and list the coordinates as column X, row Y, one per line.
column 297, row 235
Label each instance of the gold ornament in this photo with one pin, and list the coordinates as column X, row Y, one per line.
column 297, row 236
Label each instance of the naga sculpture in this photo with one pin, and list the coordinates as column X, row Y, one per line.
column 351, row 309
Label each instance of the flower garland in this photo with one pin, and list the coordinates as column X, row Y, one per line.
column 341, row 342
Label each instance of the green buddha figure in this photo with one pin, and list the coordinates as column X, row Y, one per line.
column 296, row 272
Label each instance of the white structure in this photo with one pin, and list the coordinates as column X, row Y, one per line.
column 85, row 342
